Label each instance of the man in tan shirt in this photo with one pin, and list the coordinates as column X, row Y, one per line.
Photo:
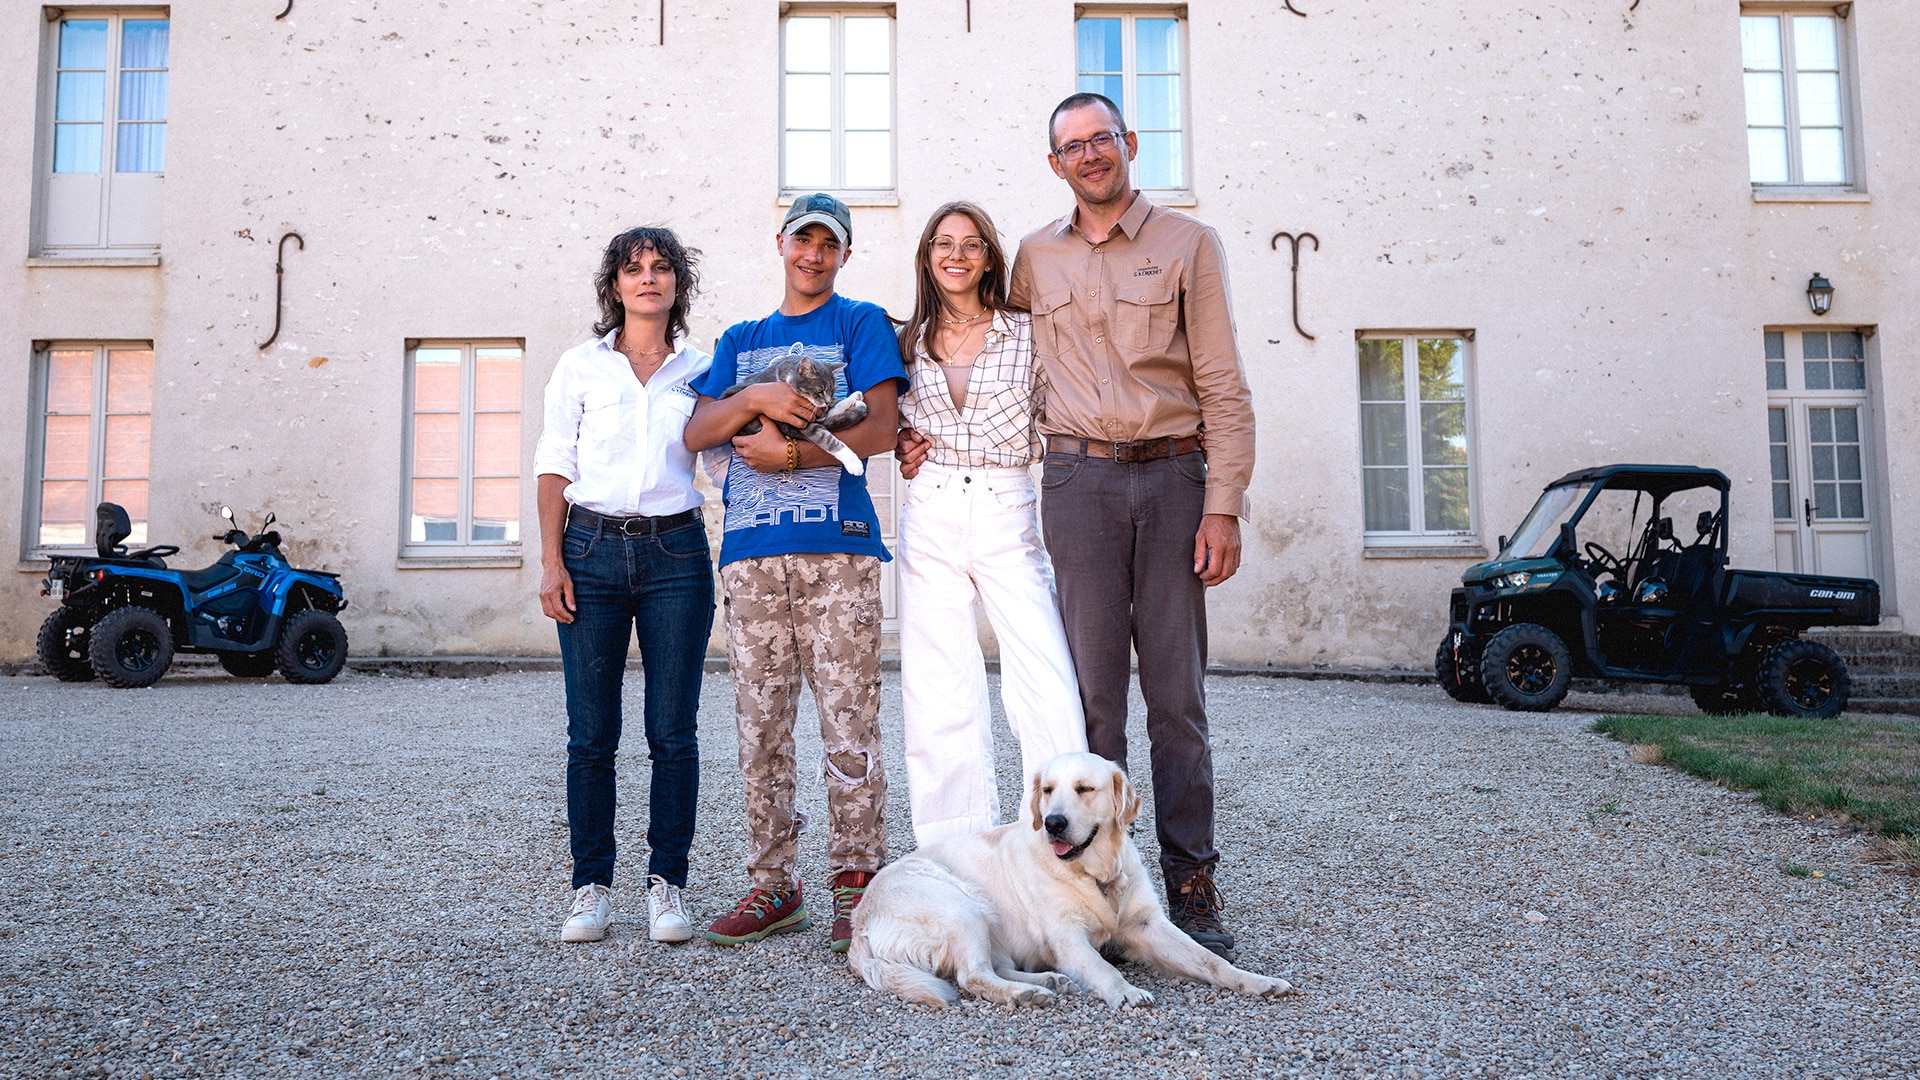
column 1135, row 344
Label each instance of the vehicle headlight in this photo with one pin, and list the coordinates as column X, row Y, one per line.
column 1520, row 579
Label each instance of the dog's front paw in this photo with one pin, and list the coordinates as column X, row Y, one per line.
column 1033, row 995
column 1058, row 983
column 1261, row 986
column 1131, row 997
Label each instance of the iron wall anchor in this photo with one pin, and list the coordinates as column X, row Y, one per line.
column 1294, row 242
column 279, row 276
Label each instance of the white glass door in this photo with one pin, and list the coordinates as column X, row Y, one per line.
column 1823, row 490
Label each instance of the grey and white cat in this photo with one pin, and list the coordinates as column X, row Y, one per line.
column 812, row 379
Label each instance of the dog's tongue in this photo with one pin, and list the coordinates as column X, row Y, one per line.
column 1061, row 847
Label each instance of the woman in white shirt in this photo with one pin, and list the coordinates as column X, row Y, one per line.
column 968, row 530
column 623, row 547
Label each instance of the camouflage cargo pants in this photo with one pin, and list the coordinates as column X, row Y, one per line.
column 816, row 616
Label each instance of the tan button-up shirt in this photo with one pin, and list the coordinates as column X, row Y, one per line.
column 1134, row 339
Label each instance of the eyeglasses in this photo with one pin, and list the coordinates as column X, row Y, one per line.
column 1079, row 148
column 943, row 247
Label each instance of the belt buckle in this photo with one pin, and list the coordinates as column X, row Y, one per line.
column 626, row 526
column 1126, row 453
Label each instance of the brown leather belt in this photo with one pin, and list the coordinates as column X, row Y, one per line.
column 631, row 526
column 1125, row 453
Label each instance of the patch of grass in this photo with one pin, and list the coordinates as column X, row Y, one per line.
column 1867, row 771
column 1794, row 869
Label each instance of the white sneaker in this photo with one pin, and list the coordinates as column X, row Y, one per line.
column 592, row 914
column 665, row 913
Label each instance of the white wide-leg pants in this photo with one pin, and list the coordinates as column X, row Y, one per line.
column 966, row 533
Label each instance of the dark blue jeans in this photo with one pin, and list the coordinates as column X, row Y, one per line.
column 663, row 586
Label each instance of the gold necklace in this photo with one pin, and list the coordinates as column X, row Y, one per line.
column 964, row 335
column 962, row 322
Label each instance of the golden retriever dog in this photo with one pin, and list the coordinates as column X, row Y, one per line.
column 1018, row 912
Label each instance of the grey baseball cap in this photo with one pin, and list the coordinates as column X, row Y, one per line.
column 823, row 208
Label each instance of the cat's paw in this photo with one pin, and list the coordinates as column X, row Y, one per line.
column 846, row 412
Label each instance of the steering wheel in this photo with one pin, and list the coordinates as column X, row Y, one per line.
column 1604, row 559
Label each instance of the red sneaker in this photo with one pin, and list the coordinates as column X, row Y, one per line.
column 848, row 887
column 760, row 913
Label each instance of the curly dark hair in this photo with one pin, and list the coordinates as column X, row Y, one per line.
column 624, row 249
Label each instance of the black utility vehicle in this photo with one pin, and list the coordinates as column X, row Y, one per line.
column 1556, row 602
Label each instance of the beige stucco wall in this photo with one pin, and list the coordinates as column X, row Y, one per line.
column 1566, row 180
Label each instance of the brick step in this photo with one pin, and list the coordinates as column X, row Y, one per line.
column 1886, row 686
column 1881, row 664
column 1895, row 706
column 1858, row 643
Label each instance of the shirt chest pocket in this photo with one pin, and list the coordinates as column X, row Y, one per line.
column 672, row 411
column 1052, row 322
column 600, row 415
column 1004, row 407
column 1145, row 317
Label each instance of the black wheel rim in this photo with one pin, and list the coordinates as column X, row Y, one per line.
column 314, row 650
column 1530, row 669
column 137, row 650
column 1808, row 684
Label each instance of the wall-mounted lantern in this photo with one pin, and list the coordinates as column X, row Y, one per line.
column 1819, row 294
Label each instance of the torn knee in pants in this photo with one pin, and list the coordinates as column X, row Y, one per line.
column 850, row 767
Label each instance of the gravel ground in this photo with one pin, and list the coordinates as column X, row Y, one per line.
column 226, row 878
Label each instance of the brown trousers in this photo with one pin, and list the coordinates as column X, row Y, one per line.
column 1121, row 538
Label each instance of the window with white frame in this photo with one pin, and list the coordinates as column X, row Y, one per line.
column 95, row 411
column 106, row 136
column 463, row 439
column 1416, row 477
column 1796, row 88
column 1137, row 60
column 836, row 101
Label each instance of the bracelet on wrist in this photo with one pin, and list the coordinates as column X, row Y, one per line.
column 793, row 454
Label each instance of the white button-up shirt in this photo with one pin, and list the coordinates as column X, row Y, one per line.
column 616, row 440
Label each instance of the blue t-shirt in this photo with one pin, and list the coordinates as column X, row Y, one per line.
column 816, row 510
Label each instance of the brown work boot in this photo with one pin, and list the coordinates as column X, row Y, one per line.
column 762, row 912
column 1196, row 908
column 848, row 887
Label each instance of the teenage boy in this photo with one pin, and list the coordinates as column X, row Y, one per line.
column 800, row 559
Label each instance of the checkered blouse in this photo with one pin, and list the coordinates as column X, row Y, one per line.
column 996, row 427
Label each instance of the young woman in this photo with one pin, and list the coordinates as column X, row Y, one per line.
column 968, row 530
column 623, row 547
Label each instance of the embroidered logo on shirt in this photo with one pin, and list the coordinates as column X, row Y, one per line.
column 854, row 527
column 683, row 388
column 1148, row 270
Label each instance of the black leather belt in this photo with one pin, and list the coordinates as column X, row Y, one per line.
column 1126, row 453
column 631, row 526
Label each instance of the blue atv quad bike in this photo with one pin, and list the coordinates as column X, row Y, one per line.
column 123, row 614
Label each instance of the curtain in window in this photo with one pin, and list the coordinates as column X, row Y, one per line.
column 143, row 97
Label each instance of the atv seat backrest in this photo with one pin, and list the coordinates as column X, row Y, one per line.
column 1660, row 563
column 110, row 526
column 1693, row 567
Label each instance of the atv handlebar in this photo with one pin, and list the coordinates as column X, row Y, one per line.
column 239, row 539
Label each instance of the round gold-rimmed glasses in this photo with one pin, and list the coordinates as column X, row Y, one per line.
column 944, row 247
